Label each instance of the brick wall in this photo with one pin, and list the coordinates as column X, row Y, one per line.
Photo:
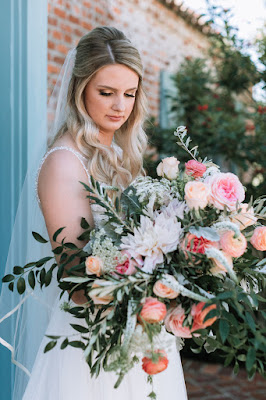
column 162, row 37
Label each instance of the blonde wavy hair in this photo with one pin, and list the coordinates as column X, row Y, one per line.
column 100, row 47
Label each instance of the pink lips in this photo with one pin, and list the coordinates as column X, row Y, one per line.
column 113, row 118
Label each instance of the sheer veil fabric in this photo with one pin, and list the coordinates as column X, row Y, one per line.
column 24, row 320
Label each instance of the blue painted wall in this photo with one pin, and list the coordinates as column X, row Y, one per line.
column 23, row 44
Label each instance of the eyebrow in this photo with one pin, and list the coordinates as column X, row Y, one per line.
column 109, row 87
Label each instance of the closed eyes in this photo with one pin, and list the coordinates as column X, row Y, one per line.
column 109, row 94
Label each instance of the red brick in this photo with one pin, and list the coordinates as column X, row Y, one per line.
column 86, row 25
column 78, row 32
column 60, row 13
column 87, row 4
column 59, row 60
column 52, row 21
column 67, row 38
column 62, row 48
column 73, row 19
column 52, row 69
column 117, row 10
column 76, row 10
column 57, row 35
column 99, row 10
column 66, row 28
column 51, row 45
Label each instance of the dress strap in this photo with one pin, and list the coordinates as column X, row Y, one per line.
column 75, row 152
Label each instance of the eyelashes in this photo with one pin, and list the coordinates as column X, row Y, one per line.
column 109, row 94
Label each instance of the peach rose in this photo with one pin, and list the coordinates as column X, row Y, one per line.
column 174, row 322
column 234, row 246
column 153, row 310
column 197, row 194
column 218, row 267
column 245, row 218
column 168, row 168
column 226, row 190
column 129, row 266
column 198, row 316
column 151, row 367
column 196, row 244
column 94, row 265
column 258, row 239
column 164, row 291
column 96, row 298
column 195, row 168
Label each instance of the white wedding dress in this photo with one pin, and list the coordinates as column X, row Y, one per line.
column 64, row 374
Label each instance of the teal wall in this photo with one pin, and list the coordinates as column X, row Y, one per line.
column 23, row 44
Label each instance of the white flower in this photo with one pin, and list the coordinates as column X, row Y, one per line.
column 153, row 239
column 175, row 208
column 168, row 167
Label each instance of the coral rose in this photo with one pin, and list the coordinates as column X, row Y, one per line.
column 195, row 168
column 258, row 239
column 174, row 322
column 198, row 316
column 94, row 266
column 196, row 244
column 151, row 367
column 164, row 291
column 226, row 190
column 97, row 299
column 234, row 246
column 218, row 267
column 245, row 218
column 197, row 195
column 168, row 168
column 153, row 310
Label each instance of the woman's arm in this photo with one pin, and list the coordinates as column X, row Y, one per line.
column 63, row 201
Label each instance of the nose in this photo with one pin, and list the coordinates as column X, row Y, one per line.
column 119, row 104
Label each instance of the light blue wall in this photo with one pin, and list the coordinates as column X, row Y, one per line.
column 23, row 44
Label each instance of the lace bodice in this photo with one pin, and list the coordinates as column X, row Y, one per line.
column 97, row 211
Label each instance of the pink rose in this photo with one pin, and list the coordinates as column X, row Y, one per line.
column 151, row 367
column 195, row 168
column 168, row 168
column 128, row 267
column 153, row 310
column 234, row 246
column 196, row 244
column 164, row 291
column 258, row 239
column 218, row 267
column 198, row 316
column 94, row 266
column 244, row 218
column 174, row 322
column 197, row 195
column 226, row 190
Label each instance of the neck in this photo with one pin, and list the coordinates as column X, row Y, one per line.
column 106, row 138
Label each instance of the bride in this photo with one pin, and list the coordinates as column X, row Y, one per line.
column 98, row 133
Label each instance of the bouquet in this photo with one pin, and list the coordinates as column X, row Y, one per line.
column 180, row 257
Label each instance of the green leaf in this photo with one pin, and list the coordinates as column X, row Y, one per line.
column 64, row 344
column 58, row 250
column 84, row 224
column 77, row 343
column 225, row 295
column 224, row 329
column 39, row 238
column 57, row 233
column 31, row 279
column 18, row 270
column 8, row 278
column 42, row 276
column 71, row 246
column 79, row 328
column 50, row 346
column 21, row 285
column 250, row 321
column 11, row 286
column 48, row 278
column 251, row 358
column 42, row 261
column 241, row 357
column 53, row 337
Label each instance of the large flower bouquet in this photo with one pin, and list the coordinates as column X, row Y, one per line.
column 181, row 254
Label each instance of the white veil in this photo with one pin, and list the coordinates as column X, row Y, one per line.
column 24, row 318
